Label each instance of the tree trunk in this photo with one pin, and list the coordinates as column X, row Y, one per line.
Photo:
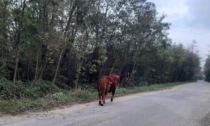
column 2, row 52
column 113, row 67
column 59, row 62
column 39, row 53
column 16, row 70
column 37, row 67
column 19, row 30
column 78, row 73
column 28, row 71
column 42, row 71
column 66, row 36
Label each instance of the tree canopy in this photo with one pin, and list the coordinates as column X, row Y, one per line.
column 73, row 42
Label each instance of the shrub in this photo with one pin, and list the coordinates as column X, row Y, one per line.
column 9, row 90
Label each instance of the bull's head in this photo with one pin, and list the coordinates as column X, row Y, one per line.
column 114, row 77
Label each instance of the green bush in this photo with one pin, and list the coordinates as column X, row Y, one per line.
column 9, row 90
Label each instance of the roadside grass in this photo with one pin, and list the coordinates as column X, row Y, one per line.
column 154, row 87
column 17, row 106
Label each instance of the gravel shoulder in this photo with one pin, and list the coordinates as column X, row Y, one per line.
column 184, row 105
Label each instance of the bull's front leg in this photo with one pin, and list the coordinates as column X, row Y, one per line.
column 104, row 97
column 113, row 92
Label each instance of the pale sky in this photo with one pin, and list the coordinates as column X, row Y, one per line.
column 190, row 20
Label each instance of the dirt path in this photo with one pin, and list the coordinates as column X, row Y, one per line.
column 185, row 105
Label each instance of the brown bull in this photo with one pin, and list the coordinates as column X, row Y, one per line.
column 107, row 84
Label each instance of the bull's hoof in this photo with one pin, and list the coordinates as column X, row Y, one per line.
column 111, row 100
column 100, row 104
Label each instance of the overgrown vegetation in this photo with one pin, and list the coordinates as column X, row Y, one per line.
column 21, row 90
column 52, row 46
column 16, row 106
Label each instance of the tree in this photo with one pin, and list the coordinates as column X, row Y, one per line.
column 73, row 42
column 207, row 69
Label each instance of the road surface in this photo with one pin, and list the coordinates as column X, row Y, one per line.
column 184, row 105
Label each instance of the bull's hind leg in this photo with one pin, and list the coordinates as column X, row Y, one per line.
column 100, row 100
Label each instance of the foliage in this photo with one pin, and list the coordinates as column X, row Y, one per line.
column 52, row 45
column 21, row 90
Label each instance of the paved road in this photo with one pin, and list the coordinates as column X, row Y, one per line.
column 185, row 105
